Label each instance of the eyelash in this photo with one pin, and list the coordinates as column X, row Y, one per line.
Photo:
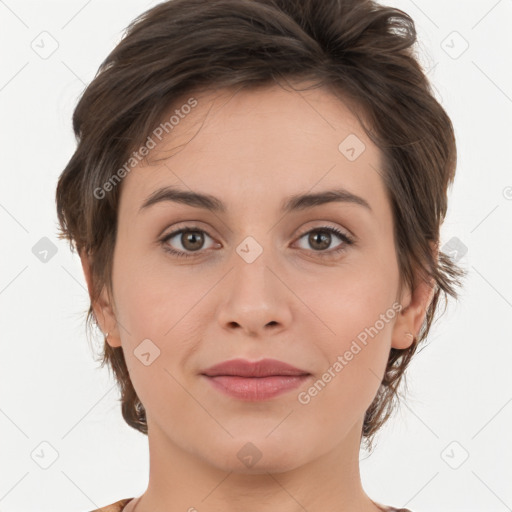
column 323, row 254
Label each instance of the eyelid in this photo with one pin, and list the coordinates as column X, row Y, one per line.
column 343, row 234
column 326, row 225
column 346, row 238
column 194, row 225
column 186, row 228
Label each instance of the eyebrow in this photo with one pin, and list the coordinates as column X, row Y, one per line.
column 293, row 203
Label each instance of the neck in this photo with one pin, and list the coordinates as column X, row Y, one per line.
column 182, row 481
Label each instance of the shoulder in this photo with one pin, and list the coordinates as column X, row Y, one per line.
column 114, row 507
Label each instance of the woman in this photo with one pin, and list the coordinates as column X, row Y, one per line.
column 256, row 199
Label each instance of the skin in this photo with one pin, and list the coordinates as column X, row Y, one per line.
column 252, row 150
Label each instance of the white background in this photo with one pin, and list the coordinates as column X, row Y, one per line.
column 459, row 385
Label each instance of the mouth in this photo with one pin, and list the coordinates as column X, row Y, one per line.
column 255, row 381
column 254, row 389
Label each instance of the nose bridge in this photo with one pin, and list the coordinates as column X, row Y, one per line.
column 253, row 297
column 251, row 259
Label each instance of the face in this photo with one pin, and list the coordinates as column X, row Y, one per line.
column 314, row 285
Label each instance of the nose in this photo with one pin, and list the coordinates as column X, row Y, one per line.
column 255, row 299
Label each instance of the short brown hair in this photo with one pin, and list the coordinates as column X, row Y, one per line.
column 358, row 49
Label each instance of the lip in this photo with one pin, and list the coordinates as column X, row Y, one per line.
column 245, row 368
column 255, row 381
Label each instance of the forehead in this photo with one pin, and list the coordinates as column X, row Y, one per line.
column 266, row 141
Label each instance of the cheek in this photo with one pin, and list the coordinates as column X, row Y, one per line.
column 355, row 297
column 360, row 311
column 149, row 297
column 357, row 357
column 157, row 311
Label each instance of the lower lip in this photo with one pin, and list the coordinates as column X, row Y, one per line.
column 256, row 388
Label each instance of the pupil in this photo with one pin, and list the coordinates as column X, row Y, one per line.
column 193, row 238
column 324, row 236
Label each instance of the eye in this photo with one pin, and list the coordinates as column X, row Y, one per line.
column 321, row 238
column 192, row 241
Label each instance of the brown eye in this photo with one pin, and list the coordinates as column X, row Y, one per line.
column 192, row 240
column 321, row 238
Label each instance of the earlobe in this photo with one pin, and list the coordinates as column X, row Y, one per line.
column 103, row 313
column 412, row 316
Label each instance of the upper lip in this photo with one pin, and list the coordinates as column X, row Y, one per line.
column 245, row 368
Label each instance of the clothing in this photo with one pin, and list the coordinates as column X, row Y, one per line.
column 119, row 505
column 114, row 507
column 393, row 509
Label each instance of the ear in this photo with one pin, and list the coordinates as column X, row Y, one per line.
column 103, row 310
column 415, row 304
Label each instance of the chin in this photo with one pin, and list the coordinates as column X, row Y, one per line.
column 257, row 455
